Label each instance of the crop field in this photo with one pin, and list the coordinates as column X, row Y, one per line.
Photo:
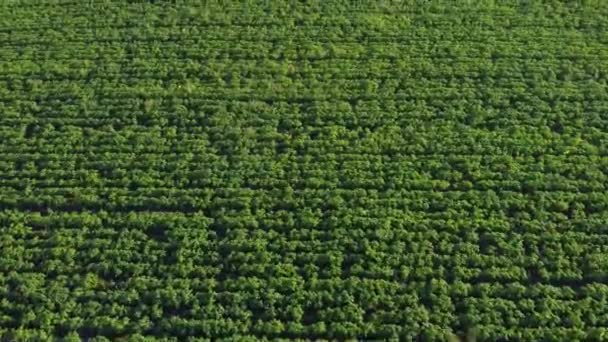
column 313, row 170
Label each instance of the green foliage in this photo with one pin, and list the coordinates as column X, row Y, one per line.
column 303, row 170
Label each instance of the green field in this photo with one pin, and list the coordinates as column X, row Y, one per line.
column 331, row 170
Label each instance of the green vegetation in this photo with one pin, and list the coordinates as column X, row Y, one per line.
column 402, row 170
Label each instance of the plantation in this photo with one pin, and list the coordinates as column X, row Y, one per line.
column 261, row 170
